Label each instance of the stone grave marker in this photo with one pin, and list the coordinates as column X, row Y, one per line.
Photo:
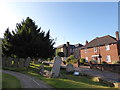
column 69, row 68
column 21, row 63
column 4, row 61
column 56, row 67
column 27, row 62
column 9, row 63
column 16, row 60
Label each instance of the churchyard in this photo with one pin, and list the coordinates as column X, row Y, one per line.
column 62, row 78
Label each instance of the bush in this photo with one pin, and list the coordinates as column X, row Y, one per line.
column 71, row 59
column 94, row 61
column 115, row 62
column 61, row 54
column 82, row 61
column 103, row 62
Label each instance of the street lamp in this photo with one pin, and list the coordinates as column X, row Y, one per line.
column 99, row 50
column 99, row 53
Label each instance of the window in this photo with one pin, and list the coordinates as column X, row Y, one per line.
column 108, row 59
column 95, row 49
column 85, row 50
column 107, row 47
column 86, row 59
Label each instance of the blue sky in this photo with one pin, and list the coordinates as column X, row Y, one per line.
column 75, row 22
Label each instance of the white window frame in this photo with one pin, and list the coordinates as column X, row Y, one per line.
column 107, row 47
column 95, row 49
column 108, row 58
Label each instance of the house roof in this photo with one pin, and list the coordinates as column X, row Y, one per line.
column 105, row 40
column 71, row 46
column 78, row 45
column 60, row 46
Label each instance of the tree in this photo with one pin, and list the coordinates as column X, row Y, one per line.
column 28, row 40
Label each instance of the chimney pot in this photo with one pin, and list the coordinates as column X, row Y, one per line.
column 117, row 35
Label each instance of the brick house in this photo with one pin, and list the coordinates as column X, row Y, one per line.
column 107, row 46
column 69, row 49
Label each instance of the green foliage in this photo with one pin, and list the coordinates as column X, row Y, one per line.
column 61, row 54
column 115, row 62
column 9, row 81
column 28, row 41
column 82, row 60
column 71, row 59
column 94, row 61
column 103, row 62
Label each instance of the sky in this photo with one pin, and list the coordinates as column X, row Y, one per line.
column 74, row 22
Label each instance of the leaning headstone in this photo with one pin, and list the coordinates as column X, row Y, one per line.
column 4, row 59
column 15, row 62
column 27, row 62
column 69, row 68
column 56, row 67
column 21, row 63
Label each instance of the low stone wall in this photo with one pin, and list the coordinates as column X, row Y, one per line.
column 107, row 67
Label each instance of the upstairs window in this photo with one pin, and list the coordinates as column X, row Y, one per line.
column 107, row 47
column 95, row 49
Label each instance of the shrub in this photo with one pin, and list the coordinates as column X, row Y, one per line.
column 71, row 59
column 61, row 54
column 82, row 61
column 94, row 61
column 115, row 62
column 103, row 62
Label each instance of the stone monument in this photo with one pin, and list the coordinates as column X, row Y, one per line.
column 70, row 68
column 56, row 67
column 21, row 63
column 27, row 62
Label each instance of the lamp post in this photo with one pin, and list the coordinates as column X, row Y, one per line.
column 99, row 53
column 99, row 50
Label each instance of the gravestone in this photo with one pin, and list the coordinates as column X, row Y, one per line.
column 4, row 59
column 41, row 71
column 56, row 67
column 9, row 62
column 16, row 60
column 21, row 63
column 27, row 62
column 69, row 68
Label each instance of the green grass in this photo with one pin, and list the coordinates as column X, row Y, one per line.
column 65, row 80
column 9, row 81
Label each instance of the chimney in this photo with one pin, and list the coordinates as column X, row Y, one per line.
column 117, row 35
column 86, row 42
column 68, row 43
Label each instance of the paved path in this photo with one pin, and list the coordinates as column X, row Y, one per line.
column 105, row 75
column 28, row 81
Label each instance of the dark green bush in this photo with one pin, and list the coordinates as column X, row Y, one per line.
column 103, row 62
column 82, row 60
column 61, row 54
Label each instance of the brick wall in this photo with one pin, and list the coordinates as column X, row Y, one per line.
column 107, row 67
column 113, row 52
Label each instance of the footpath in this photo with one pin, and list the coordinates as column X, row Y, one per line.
column 29, row 81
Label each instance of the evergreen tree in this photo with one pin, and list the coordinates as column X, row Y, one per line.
column 28, row 41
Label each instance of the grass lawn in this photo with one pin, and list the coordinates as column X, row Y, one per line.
column 65, row 81
column 9, row 81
